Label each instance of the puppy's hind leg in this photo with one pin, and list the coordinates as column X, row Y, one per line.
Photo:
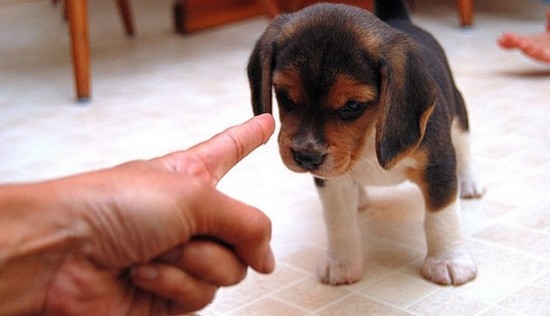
column 469, row 185
column 344, row 259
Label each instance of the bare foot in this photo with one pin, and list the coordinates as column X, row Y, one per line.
column 536, row 46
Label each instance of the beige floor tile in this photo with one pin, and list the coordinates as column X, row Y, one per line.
column 159, row 92
column 311, row 295
column 544, row 282
column 399, row 290
column 358, row 305
column 536, row 243
column 270, row 307
column 255, row 287
column 529, row 300
column 447, row 303
column 497, row 311
column 305, row 259
column 388, row 254
column 501, row 272
column 536, row 217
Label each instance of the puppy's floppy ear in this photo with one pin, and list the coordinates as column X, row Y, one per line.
column 260, row 66
column 407, row 100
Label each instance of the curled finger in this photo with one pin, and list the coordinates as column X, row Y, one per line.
column 184, row 292
column 210, row 261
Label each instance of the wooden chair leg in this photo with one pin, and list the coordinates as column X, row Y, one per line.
column 465, row 12
column 80, row 45
column 126, row 14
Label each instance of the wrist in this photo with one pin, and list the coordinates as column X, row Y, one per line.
column 35, row 237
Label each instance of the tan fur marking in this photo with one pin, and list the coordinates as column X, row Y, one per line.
column 347, row 89
column 398, row 60
column 401, row 156
column 371, row 41
column 424, row 120
column 346, row 141
column 289, row 81
column 417, row 176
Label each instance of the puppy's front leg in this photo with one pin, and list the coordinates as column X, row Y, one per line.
column 344, row 260
column 448, row 261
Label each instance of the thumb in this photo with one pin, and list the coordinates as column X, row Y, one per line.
column 243, row 228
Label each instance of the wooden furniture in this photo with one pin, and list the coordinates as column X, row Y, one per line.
column 192, row 15
column 465, row 12
column 77, row 12
column 195, row 15
column 465, row 7
column 295, row 5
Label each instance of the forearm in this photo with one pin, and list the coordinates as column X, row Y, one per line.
column 35, row 236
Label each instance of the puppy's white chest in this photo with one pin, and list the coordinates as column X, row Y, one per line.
column 367, row 171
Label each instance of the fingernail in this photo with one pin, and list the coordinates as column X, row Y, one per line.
column 145, row 273
column 269, row 262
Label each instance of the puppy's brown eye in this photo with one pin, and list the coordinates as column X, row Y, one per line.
column 351, row 110
column 285, row 101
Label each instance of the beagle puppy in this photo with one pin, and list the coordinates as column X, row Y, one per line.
column 369, row 100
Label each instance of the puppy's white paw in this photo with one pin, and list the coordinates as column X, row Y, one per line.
column 455, row 270
column 471, row 189
column 333, row 272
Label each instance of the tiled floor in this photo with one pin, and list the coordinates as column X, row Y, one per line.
column 160, row 92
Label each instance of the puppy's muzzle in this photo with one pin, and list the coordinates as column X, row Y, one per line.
column 308, row 160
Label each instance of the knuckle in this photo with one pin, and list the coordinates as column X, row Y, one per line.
column 237, row 276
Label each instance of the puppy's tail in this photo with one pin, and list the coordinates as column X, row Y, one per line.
column 391, row 10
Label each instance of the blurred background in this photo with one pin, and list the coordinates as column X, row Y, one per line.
column 181, row 78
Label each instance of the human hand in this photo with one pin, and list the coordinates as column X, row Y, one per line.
column 156, row 237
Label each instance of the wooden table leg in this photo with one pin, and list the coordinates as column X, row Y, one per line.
column 179, row 16
column 80, row 45
column 126, row 14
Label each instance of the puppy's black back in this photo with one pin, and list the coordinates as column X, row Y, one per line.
column 395, row 13
column 390, row 9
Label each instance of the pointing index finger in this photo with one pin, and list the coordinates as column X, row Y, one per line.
column 226, row 149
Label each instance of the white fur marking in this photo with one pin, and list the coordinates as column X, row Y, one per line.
column 344, row 261
column 469, row 185
column 447, row 261
column 367, row 170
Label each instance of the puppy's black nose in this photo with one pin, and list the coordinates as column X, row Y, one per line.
column 308, row 160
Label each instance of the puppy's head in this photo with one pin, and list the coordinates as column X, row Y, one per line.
column 340, row 74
